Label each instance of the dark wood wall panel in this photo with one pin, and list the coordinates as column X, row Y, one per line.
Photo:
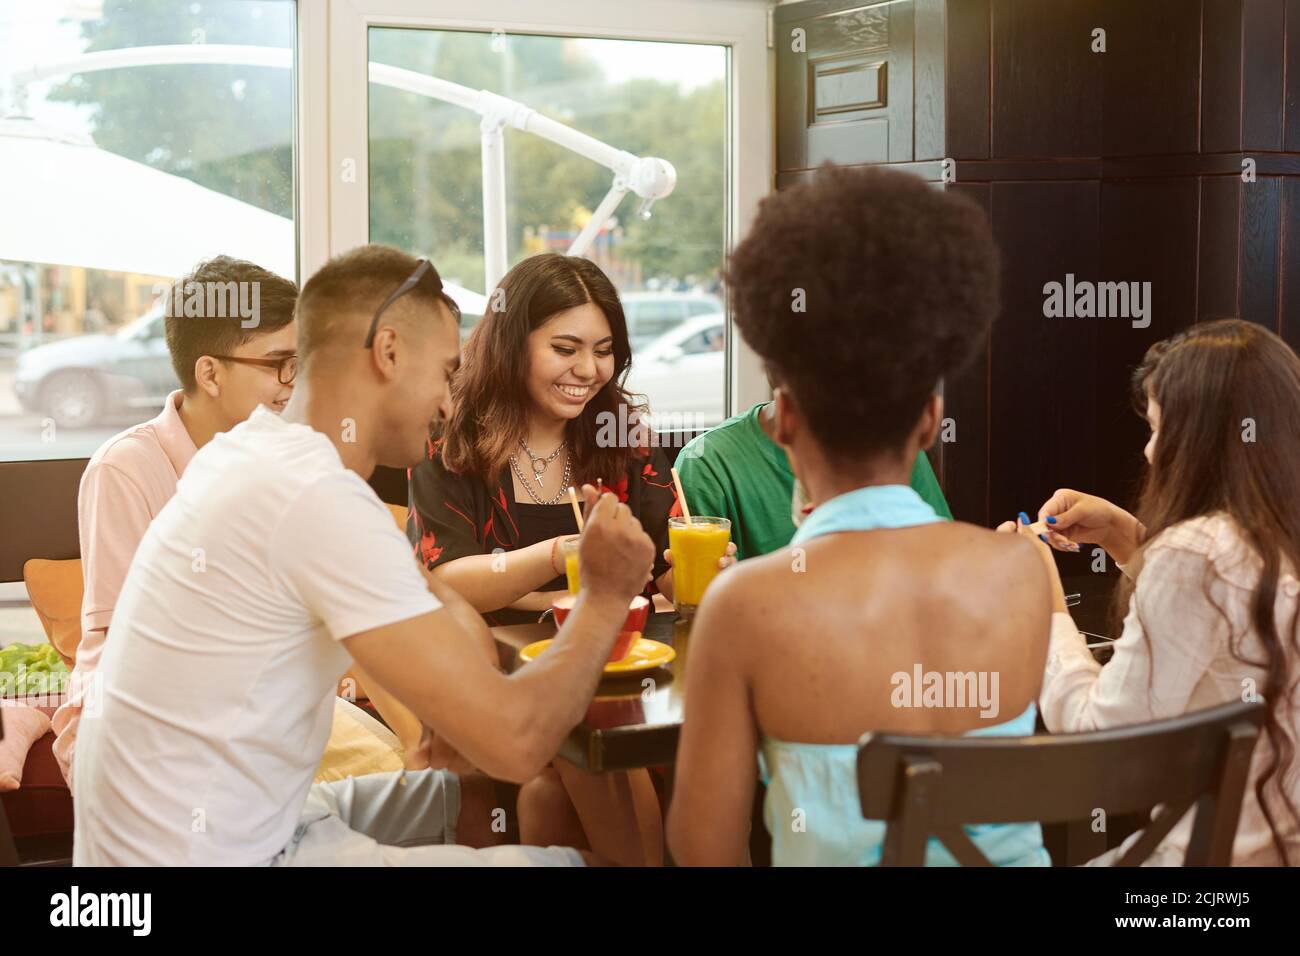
column 1261, row 235
column 1220, row 237
column 1221, row 76
column 1289, row 308
column 1147, row 110
column 1122, row 166
column 1263, row 31
column 967, row 91
column 1042, row 413
column 1046, row 83
column 1291, row 109
column 1148, row 234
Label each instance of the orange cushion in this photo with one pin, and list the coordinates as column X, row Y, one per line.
column 55, row 589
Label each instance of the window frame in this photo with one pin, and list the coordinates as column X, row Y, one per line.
column 333, row 146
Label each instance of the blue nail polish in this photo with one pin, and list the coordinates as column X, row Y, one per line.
column 1043, row 538
column 1024, row 518
column 1051, row 519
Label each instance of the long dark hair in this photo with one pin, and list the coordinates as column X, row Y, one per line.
column 489, row 394
column 1211, row 383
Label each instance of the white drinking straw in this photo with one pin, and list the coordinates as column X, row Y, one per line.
column 577, row 512
column 681, row 497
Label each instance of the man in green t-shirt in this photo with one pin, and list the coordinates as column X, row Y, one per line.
column 737, row 471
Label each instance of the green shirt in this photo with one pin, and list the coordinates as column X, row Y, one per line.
column 735, row 471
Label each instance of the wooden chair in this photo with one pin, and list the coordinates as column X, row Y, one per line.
column 930, row 786
column 55, row 589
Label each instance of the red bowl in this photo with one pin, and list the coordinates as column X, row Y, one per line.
column 638, row 613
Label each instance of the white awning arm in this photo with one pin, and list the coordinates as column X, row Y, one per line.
column 649, row 177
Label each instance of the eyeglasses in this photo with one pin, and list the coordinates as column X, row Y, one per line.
column 424, row 267
column 286, row 368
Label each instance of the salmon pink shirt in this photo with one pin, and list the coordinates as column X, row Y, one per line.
column 125, row 485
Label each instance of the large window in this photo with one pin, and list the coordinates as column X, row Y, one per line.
column 122, row 170
column 649, row 99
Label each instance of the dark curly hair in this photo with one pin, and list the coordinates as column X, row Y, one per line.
column 899, row 284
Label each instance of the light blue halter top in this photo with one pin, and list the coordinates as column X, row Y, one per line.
column 812, row 809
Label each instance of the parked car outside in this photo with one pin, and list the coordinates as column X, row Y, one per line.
column 683, row 374
column 651, row 314
column 82, row 380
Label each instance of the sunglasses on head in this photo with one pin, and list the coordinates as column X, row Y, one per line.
column 424, row 267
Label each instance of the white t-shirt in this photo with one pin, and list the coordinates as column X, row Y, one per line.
column 218, row 682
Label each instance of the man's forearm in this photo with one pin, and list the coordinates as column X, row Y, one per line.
column 560, row 684
column 466, row 616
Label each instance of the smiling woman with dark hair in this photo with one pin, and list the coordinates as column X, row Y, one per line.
column 539, row 373
column 490, row 505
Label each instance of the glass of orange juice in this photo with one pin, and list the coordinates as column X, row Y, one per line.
column 697, row 545
column 569, row 548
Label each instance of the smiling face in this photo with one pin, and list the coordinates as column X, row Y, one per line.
column 1153, row 419
column 238, row 388
column 570, row 359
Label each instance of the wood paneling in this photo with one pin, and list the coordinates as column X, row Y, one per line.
column 1148, row 234
column 1122, row 166
column 929, row 93
column 1046, row 85
column 1291, row 92
column 967, row 86
column 1261, row 233
column 1221, row 76
column 1263, row 44
column 1042, row 412
column 1289, row 308
column 848, row 95
column 1150, row 108
column 1219, row 237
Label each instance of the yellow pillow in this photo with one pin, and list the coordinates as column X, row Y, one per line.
column 358, row 745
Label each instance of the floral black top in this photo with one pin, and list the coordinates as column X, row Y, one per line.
column 453, row 516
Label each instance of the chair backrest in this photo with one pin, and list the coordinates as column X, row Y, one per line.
column 55, row 589
column 924, row 786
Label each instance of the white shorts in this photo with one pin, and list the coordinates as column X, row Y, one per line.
column 401, row 818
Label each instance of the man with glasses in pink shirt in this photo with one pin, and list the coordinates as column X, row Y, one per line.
column 233, row 344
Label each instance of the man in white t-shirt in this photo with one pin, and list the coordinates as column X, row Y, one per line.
column 275, row 565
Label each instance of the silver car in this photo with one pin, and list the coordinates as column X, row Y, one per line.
column 80, row 381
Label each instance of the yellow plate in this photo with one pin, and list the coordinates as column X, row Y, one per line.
column 645, row 655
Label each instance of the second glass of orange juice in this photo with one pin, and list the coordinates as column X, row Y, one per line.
column 697, row 546
column 569, row 548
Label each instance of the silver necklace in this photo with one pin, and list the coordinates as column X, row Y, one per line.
column 537, row 462
column 539, row 465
